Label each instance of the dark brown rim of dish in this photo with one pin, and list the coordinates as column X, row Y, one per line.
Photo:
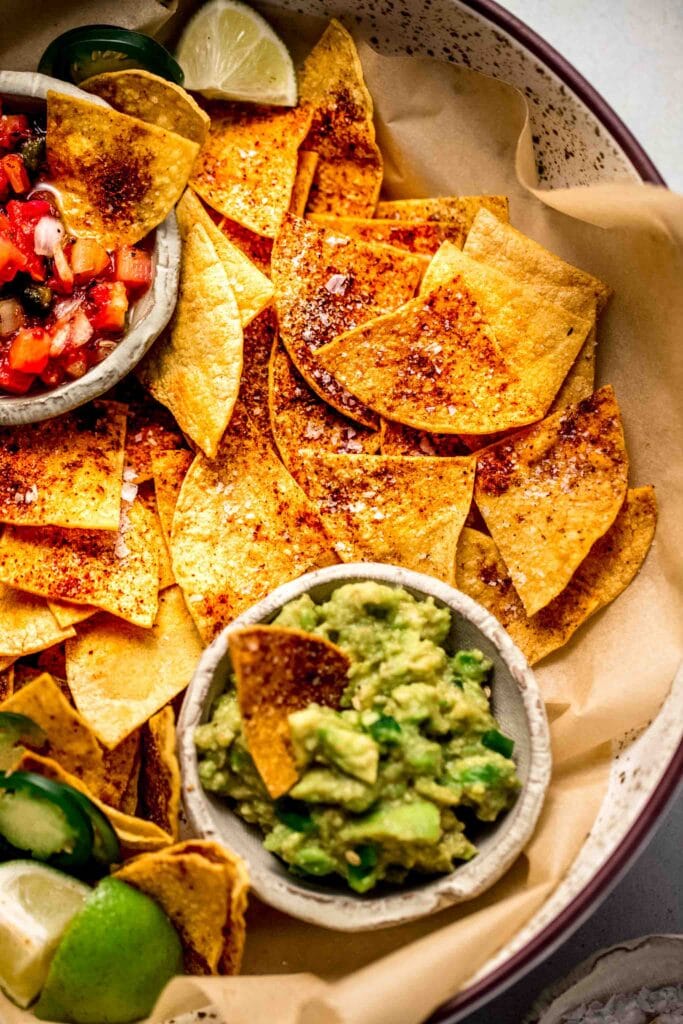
column 644, row 828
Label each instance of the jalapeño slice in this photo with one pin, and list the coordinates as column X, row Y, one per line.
column 41, row 818
column 91, row 50
column 16, row 730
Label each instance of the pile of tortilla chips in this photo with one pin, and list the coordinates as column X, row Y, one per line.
column 345, row 378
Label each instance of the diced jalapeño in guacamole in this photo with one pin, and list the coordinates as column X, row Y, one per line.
column 382, row 781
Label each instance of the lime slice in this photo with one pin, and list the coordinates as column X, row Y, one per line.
column 36, row 905
column 229, row 52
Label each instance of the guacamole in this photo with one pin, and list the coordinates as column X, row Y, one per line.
column 381, row 780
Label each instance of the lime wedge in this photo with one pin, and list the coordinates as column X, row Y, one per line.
column 229, row 52
column 36, row 905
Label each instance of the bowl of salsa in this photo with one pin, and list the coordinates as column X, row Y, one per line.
column 75, row 318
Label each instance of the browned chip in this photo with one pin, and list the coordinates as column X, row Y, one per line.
column 461, row 209
column 299, row 419
column 70, row 614
column 549, row 492
column 146, row 495
column 121, row 771
column 419, row 236
column 326, row 284
column 605, row 572
column 160, row 774
column 305, row 172
column 170, row 469
column 258, row 344
column 279, row 671
column 397, row 439
column 151, row 430
column 27, row 624
column 256, row 247
column 6, row 681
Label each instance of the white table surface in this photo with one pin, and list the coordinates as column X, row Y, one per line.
column 630, row 52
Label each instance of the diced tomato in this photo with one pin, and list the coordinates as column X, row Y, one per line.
column 4, row 184
column 52, row 375
column 13, row 381
column 27, row 212
column 12, row 260
column 13, row 128
column 17, row 173
column 109, row 303
column 30, row 350
column 133, row 267
column 20, row 226
column 63, row 274
column 88, row 259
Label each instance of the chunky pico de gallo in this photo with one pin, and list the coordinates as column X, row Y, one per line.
column 64, row 301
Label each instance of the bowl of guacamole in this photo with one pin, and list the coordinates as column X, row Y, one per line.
column 416, row 791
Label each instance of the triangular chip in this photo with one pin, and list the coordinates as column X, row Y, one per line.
column 146, row 495
column 242, row 526
column 397, row 439
column 65, row 471
column 121, row 772
column 326, row 284
column 203, row 889
column 160, row 774
column 255, row 247
column 247, row 166
column 27, row 624
column 388, row 508
column 170, row 469
column 348, row 178
column 279, row 671
column 70, row 614
column 549, row 492
column 300, row 420
column 152, row 99
column 305, row 172
column 6, row 679
column 419, row 236
column 151, row 430
column 253, row 291
column 461, row 209
column 120, row 675
column 605, row 572
column 580, row 380
column 118, row 572
column 194, row 368
column 258, row 345
column 117, row 177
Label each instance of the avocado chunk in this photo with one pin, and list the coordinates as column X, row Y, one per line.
column 417, row 822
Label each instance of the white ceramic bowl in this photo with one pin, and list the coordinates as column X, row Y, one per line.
column 517, row 705
column 149, row 315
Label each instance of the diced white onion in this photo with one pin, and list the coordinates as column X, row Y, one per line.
column 11, row 317
column 81, row 330
column 65, row 307
column 47, row 236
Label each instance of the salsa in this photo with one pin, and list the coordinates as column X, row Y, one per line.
column 393, row 782
column 64, row 301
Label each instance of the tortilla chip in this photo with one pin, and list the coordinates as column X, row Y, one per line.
column 348, row 178
column 461, row 209
column 65, row 471
column 6, row 680
column 134, row 834
column 549, row 492
column 255, row 247
column 146, row 495
column 305, row 172
column 247, row 166
column 326, row 284
column 397, row 439
column 170, row 469
column 117, row 177
column 153, row 99
column 278, row 671
column 242, row 526
column 580, row 380
column 258, row 344
column 418, row 236
column 608, row 568
column 195, row 367
column 70, row 740
column 253, row 291
column 388, row 508
column 160, row 774
column 121, row 772
column 300, row 420
column 120, row 675
column 203, row 889
column 116, row 572
column 151, row 430
column 70, row 614
column 26, row 624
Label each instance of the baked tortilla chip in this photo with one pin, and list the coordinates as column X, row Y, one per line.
column 300, row 420
column 305, row 172
column 397, row 439
column 256, row 247
column 120, row 675
column 278, row 671
column 6, row 679
column 247, row 166
column 258, row 344
column 134, row 834
column 388, row 508
column 121, row 772
column 70, row 614
column 152, row 99
column 549, row 492
column 195, row 366
column 27, row 624
column 326, row 284
column 253, row 291
column 151, row 430
column 160, row 773
column 461, row 209
column 203, row 889
column 242, row 526
column 65, row 471
column 118, row 572
column 170, row 469
column 418, row 236
column 146, row 495
column 608, row 568
column 117, row 177
column 348, row 178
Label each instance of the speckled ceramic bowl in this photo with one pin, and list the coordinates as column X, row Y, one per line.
column 149, row 315
column 517, row 705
